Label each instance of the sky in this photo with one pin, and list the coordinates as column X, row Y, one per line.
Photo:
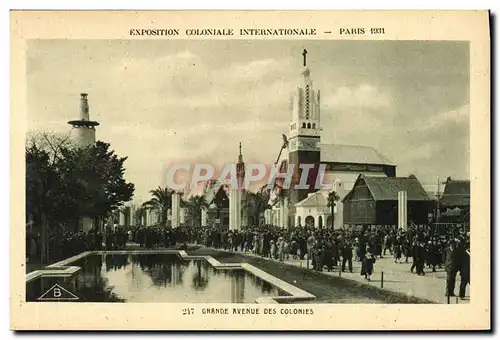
column 161, row 102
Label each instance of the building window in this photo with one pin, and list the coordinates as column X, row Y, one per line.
column 314, row 125
column 308, row 125
column 303, row 125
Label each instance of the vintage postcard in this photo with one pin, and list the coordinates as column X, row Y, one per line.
column 250, row 170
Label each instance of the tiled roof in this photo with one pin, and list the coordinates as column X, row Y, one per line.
column 456, row 194
column 387, row 188
column 314, row 200
column 356, row 154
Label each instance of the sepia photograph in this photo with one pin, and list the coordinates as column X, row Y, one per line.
column 388, row 120
column 234, row 174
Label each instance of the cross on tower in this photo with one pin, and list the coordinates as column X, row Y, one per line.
column 304, row 54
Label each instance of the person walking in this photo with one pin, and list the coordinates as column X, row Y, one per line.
column 346, row 256
column 464, row 274
column 387, row 243
column 421, row 254
column 451, row 265
column 367, row 266
column 414, row 256
column 397, row 250
column 311, row 241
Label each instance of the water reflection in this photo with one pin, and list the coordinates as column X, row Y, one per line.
column 161, row 278
column 200, row 277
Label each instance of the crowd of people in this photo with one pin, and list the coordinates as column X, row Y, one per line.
column 326, row 249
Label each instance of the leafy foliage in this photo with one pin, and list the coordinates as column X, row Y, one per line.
column 195, row 204
column 332, row 200
column 65, row 183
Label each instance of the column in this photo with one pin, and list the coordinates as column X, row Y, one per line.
column 234, row 209
column 267, row 216
column 122, row 218
column 175, row 210
column 281, row 221
column 182, row 216
column 284, row 212
column 203, row 217
column 402, row 210
column 244, row 213
column 132, row 213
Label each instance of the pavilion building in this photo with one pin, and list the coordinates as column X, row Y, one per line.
column 343, row 163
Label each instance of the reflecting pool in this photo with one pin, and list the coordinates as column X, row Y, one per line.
column 154, row 278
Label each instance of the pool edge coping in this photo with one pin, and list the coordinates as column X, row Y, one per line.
column 62, row 268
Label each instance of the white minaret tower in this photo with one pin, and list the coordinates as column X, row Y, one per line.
column 84, row 136
column 84, row 127
column 305, row 133
column 305, row 107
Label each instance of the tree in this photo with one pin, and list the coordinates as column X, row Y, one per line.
column 65, row 183
column 106, row 180
column 161, row 201
column 333, row 198
column 195, row 205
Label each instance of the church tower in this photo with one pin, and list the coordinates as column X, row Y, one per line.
column 305, row 133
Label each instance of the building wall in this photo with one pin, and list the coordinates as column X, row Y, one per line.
column 314, row 212
column 83, row 136
column 360, row 207
column 360, row 212
column 387, row 212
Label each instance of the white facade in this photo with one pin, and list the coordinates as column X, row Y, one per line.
column 305, row 107
column 235, row 209
column 313, row 210
column 176, row 198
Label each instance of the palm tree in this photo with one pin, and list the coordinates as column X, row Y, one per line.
column 333, row 198
column 195, row 204
column 161, row 201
